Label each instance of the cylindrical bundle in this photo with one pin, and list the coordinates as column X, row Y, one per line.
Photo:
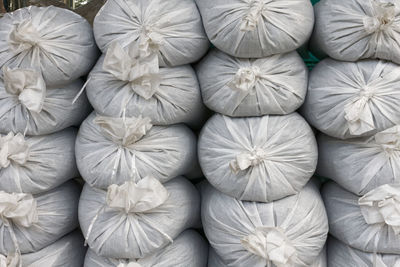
column 55, row 41
column 171, row 31
column 258, row 158
column 347, row 99
column 188, row 249
column 287, row 232
column 31, row 222
column 136, row 219
column 341, row 255
column 361, row 164
column 351, row 30
column 28, row 106
column 369, row 223
column 165, row 95
column 66, row 252
column 115, row 150
column 257, row 28
column 36, row 164
column 252, row 87
column 215, row 261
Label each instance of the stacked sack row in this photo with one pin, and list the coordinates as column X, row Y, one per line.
column 260, row 208
column 353, row 99
column 43, row 54
column 136, row 208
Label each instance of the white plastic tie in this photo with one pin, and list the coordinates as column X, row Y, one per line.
column 13, row 148
column 254, row 14
column 384, row 14
column 245, row 79
column 246, row 160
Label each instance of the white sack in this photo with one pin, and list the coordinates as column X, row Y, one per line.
column 215, row 261
column 37, row 164
column 55, row 41
column 29, row 223
column 66, row 252
column 257, row 28
column 341, row 255
column 111, row 151
column 119, row 85
column 369, row 223
column 361, row 164
column 28, row 106
column 188, row 249
column 135, row 220
column 258, row 158
column 347, row 99
column 252, row 87
column 169, row 30
column 284, row 233
column 351, row 30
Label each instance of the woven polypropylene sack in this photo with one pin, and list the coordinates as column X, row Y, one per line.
column 369, row 223
column 288, row 232
column 188, row 249
column 36, row 164
column 175, row 97
column 137, row 232
column 68, row 251
column 347, row 100
column 55, row 41
column 350, row 30
column 46, row 112
column 361, row 164
column 341, row 255
column 39, row 220
column 252, row 87
column 170, row 29
column 257, row 28
column 104, row 158
column 258, row 158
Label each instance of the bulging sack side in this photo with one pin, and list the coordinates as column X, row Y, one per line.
column 169, row 30
column 28, row 106
column 122, row 84
column 347, row 99
column 257, row 28
column 362, row 164
column 55, row 41
column 31, row 222
column 188, row 249
column 136, row 219
column 252, row 87
column 350, row 30
column 258, row 158
column 341, row 255
column 37, row 164
column 116, row 150
column 288, row 232
column 369, row 223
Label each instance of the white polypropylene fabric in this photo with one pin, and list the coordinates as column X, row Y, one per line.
column 258, row 158
column 351, row 30
column 215, row 261
column 188, row 249
column 162, row 151
column 341, row 255
column 252, row 87
column 56, row 214
column 56, row 109
column 369, row 223
column 288, row 232
column 114, row 233
column 347, row 99
column 171, row 30
column 257, row 28
column 167, row 96
column 46, row 162
column 361, row 164
column 54, row 41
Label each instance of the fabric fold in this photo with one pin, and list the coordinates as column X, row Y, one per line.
column 250, row 20
column 13, row 148
column 384, row 14
column 19, row 208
